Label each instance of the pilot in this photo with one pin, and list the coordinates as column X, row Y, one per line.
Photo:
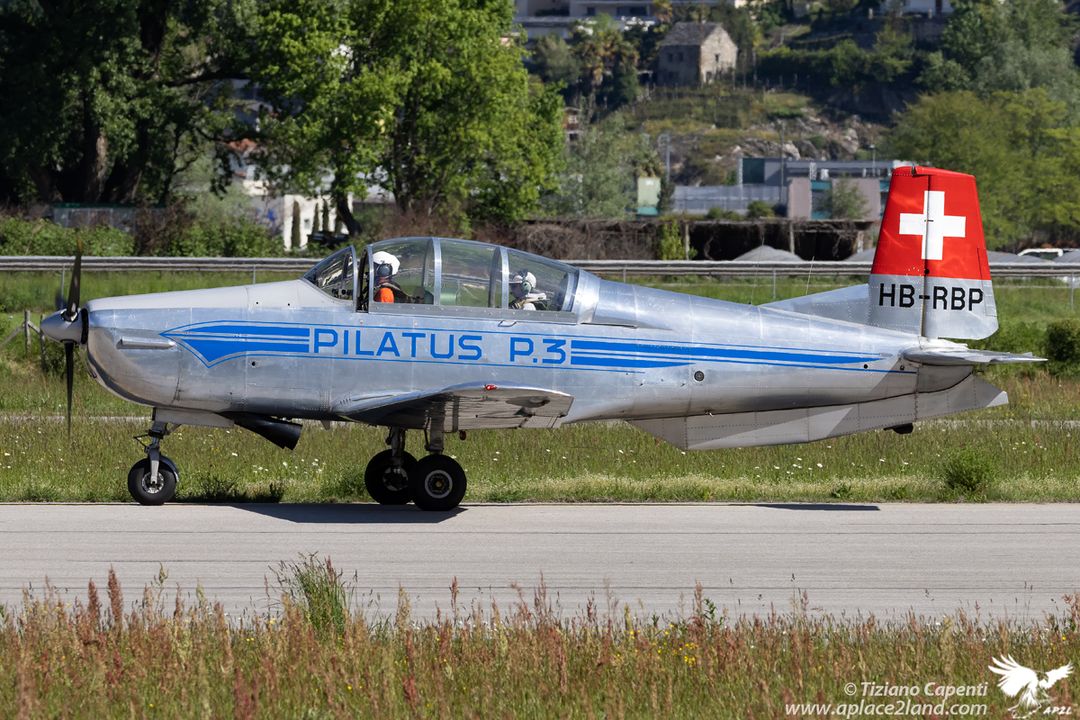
column 386, row 266
column 523, row 290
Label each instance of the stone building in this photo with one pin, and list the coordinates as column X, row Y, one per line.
column 695, row 54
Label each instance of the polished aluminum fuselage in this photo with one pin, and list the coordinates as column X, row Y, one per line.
column 623, row 352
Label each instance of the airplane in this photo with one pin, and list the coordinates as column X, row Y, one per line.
column 442, row 336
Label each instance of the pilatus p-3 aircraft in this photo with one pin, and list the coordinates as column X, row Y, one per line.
column 443, row 336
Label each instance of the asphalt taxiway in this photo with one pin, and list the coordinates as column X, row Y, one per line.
column 1001, row 560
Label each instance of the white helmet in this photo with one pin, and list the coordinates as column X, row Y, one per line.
column 384, row 258
column 525, row 279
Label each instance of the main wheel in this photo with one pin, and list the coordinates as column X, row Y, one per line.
column 386, row 484
column 438, row 483
column 153, row 491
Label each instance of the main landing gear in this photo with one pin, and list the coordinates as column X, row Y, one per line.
column 152, row 480
column 435, row 482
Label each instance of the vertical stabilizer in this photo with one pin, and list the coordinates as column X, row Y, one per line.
column 930, row 275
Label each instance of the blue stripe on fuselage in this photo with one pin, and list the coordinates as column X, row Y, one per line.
column 715, row 353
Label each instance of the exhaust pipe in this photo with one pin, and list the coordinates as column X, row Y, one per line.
column 282, row 433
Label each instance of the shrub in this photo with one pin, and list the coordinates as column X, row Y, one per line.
column 233, row 237
column 670, row 245
column 722, row 214
column 968, row 473
column 760, row 209
column 1063, row 347
column 44, row 237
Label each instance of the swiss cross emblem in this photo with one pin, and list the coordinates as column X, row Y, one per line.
column 933, row 225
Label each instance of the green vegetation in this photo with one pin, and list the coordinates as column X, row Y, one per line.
column 843, row 200
column 968, row 473
column 1024, row 148
column 1063, row 347
column 600, row 173
column 112, row 104
column 427, row 97
column 527, row 660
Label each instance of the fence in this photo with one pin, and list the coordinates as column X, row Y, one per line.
column 27, row 328
column 624, row 268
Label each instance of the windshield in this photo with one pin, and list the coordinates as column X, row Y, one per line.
column 336, row 275
column 448, row 272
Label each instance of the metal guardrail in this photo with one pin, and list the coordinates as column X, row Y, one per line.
column 699, row 268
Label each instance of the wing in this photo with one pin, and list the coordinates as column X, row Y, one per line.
column 462, row 407
column 1052, row 676
column 1014, row 676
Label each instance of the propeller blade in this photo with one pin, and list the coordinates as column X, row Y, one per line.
column 69, row 370
column 73, row 292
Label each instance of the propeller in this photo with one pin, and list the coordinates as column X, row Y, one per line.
column 71, row 312
column 68, row 325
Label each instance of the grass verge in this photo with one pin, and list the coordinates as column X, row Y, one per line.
column 101, row 657
column 1036, row 461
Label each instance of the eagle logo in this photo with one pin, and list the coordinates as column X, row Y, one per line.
column 1023, row 681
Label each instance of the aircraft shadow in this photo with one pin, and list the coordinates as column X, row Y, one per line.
column 360, row 513
column 834, row 507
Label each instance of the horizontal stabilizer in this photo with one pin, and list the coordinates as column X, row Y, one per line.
column 462, row 407
column 965, row 356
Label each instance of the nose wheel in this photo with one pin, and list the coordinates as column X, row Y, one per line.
column 153, row 489
column 152, row 480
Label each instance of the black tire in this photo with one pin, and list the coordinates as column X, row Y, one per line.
column 438, row 483
column 156, row 493
column 386, row 484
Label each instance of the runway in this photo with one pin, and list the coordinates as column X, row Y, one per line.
column 1014, row 561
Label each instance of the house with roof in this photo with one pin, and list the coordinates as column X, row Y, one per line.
column 695, row 54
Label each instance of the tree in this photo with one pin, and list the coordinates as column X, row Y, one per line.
column 600, row 179
column 109, row 101
column 843, row 201
column 556, row 63
column 325, row 216
column 428, row 100
column 607, row 64
column 294, row 233
column 1023, row 147
column 991, row 45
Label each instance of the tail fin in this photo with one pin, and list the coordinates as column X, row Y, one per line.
column 930, row 274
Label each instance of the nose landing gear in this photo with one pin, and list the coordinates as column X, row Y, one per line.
column 436, row 482
column 152, row 480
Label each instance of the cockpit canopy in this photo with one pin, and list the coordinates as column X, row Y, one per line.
column 445, row 272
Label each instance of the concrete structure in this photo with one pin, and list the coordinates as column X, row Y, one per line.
column 806, row 198
column 695, row 54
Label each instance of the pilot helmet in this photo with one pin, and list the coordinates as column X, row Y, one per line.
column 525, row 279
column 385, row 264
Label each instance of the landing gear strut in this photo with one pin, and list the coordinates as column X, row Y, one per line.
column 152, row 480
column 436, row 482
column 387, row 475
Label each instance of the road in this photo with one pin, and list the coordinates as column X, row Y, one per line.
column 1015, row 561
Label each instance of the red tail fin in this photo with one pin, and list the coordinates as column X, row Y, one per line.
column 930, row 273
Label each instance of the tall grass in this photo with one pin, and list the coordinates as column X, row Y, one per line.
column 106, row 657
